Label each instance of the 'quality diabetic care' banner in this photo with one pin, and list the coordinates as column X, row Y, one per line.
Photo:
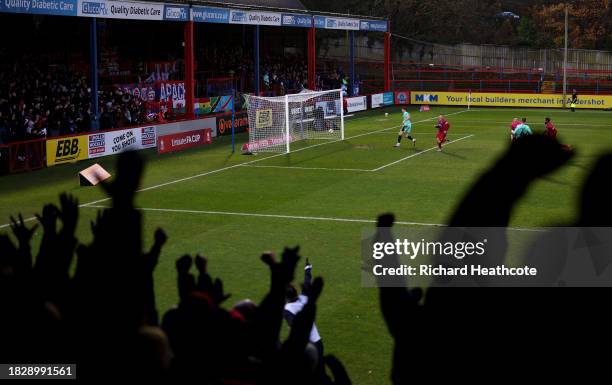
column 132, row 10
column 40, row 7
column 336, row 23
column 254, row 17
column 121, row 10
column 485, row 99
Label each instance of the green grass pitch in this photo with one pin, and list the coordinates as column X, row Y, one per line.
column 231, row 207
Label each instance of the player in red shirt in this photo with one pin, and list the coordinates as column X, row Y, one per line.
column 551, row 132
column 513, row 125
column 550, row 129
column 442, row 126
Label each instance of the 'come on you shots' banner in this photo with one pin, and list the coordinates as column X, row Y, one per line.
column 486, row 99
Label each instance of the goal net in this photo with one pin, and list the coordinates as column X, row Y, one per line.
column 276, row 122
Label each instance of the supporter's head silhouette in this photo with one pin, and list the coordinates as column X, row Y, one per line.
column 291, row 293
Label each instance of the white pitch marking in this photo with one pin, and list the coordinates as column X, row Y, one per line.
column 241, row 164
column 419, row 153
column 277, row 216
column 311, row 168
column 555, row 110
column 259, row 160
column 301, row 217
column 556, row 124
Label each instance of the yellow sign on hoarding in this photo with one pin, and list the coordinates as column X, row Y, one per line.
column 65, row 150
column 487, row 99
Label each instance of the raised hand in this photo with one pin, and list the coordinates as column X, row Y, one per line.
column 98, row 227
column 183, row 264
column 201, row 264
column 206, row 283
column 283, row 272
column 217, row 292
column 22, row 233
column 48, row 219
column 152, row 257
column 186, row 280
column 340, row 374
column 160, row 237
column 292, row 350
column 69, row 213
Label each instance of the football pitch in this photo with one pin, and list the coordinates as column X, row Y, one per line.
column 231, row 207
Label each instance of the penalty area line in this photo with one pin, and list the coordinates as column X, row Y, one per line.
column 309, row 168
column 419, row 153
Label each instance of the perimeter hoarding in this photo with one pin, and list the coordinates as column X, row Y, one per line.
column 485, row 99
column 121, row 10
column 358, row 103
column 376, row 100
column 402, row 97
column 66, row 150
column 296, row 20
column 224, row 123
column 115, row 142
column 254, row 17
column 210, row 15
column 40, row 7
column 183, row 140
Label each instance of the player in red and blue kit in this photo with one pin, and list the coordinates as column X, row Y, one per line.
column 442, row 126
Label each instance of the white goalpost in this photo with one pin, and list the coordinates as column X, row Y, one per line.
column 277, row 122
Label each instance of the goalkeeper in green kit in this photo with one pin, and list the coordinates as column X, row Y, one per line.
column 406, row 129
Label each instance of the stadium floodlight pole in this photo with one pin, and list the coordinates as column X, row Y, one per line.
column 93, row 60
column 287, row 139
column 233, row 119
column 565, row 61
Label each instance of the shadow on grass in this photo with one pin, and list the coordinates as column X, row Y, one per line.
column 454, row 155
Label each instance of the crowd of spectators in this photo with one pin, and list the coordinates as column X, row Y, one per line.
column 39, row 99
column 278, row 74
column 330, row 79
column 284, row 75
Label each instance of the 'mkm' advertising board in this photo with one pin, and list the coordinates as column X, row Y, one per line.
column 485, row 99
